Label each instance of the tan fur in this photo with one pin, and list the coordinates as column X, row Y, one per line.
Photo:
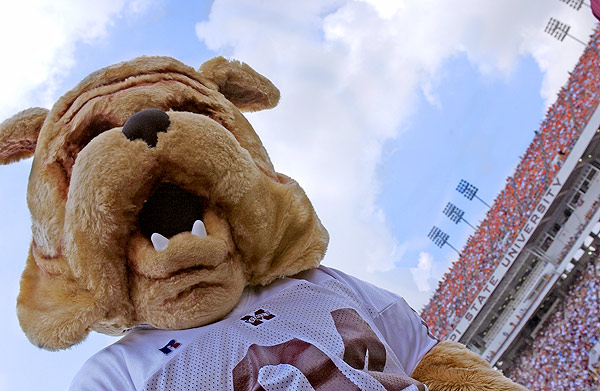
column 90, row 268
column 19, row 134
column 450, row 366
column 247, row 89
column 56, row 312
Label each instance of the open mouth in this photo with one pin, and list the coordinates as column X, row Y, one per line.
column 171, row 210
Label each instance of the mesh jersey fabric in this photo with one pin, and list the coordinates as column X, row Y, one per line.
column 319, row 330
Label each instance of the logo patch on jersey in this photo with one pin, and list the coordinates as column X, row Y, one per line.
column 168, row 348
column 259, row 317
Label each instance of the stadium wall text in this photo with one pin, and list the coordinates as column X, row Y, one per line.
column 507, row 260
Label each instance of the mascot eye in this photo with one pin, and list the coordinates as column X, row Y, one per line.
column 193, row 106
column 96, row 127
column 81, row 137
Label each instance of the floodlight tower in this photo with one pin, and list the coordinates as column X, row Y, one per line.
column 560, row 30
column 575, row 3
column 469, row 191
column 455, row 214
column 439, row 238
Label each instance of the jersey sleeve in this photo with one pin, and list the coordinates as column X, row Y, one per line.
column 406, row 333
column 402, row 328
column 105, row 371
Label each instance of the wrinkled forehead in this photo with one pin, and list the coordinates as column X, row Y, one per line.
column 108, row 97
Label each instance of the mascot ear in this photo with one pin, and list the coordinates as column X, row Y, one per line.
column 240, row 84
column 19, row 134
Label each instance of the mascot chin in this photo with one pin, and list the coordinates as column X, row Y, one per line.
column 157, row 214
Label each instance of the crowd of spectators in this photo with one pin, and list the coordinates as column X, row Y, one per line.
column 558, row 357
column 580, row 228
column 561, row 128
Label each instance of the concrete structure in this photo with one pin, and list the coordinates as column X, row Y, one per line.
column 559, row 237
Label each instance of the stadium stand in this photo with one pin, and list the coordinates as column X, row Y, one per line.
column 553, row 141
column 564, row 340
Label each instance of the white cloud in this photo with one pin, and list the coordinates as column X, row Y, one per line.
column 423, row 272
column 137, row 7
column 39, row 41
column 350, row 72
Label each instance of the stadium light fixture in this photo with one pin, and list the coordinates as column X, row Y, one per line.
column 557, row 29
column 469, row 191
column 439, row 238
column 466, row 189
column 574, row 3
column 455, row 214
column 560, row 30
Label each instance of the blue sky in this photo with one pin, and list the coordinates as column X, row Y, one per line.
column 471, row 142
column 385, row 106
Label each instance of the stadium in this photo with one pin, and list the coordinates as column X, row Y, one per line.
column 524, row 292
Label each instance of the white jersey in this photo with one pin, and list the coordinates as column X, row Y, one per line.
column 320, row 330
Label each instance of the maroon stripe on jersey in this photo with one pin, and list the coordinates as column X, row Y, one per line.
column 362, row 350
column 359, row 338
column 318, row 369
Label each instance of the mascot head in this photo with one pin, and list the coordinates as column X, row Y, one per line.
column 153, row 201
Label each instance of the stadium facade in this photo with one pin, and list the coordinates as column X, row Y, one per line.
column 558, row 239
column 541, row 232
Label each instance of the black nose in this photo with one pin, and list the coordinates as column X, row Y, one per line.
column 145, row 125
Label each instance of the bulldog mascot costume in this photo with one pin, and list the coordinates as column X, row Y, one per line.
column 157, row 214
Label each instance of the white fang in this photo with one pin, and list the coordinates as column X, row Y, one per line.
column 159, row 242
column 198, row 229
